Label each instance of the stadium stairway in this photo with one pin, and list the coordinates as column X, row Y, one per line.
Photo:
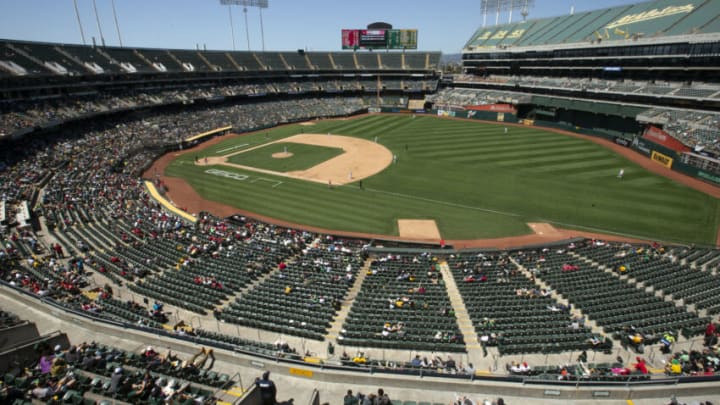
column 284, row 62
column 143, row 58
column 259, row 62
column 232, row 298
column 174, row 58
column 342, row 315
column 26, row 55
column 456, row 300
column 681, row 340
column 560, row 299
column 229, row 396
column 70, row 57
column 641, row 285
column 332, row 61
column 233, row 61
column 50, row 238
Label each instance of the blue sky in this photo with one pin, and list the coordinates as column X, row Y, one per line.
column 288, row 24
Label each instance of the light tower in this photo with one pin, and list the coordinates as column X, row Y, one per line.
column 500, row 6
column 260, row 4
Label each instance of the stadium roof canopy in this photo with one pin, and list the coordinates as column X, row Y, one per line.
column 653, row 19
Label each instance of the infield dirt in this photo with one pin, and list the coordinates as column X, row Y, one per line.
column 361, row 159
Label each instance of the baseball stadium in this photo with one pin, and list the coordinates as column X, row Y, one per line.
column 537, row 222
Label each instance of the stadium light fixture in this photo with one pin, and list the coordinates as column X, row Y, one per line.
column 117, row 26
column 500, row 6
column 77, row 14
column 97, row 19
column 232, row 27
column 259, row 4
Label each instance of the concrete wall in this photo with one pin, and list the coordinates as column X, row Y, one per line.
column 26, row 353
column 19, row 333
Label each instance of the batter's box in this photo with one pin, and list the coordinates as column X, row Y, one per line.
column 275, row 182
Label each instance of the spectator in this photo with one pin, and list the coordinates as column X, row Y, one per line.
column 710, row 334
column 42, row 390
column 640, row 365
column 383, row 398
column 268, row 391
column 350, row 399
column 46, row 362
column 116, row 380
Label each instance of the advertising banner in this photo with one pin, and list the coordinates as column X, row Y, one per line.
column 664, row 160
column 707, row 176
column 506, row 108
column 622, row 141
column 661, row 137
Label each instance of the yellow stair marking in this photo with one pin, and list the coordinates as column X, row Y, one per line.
column 313, row 360
column 235, row 391
column 91, row 295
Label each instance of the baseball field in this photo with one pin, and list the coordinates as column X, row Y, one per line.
column 460, row 179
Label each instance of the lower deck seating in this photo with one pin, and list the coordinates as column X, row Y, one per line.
column 403, row 304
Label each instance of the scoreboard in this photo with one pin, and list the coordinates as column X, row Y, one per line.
column 379, row 39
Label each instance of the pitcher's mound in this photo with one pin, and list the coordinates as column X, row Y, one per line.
column 307, row 123
column 418, row 229
column 282, row 155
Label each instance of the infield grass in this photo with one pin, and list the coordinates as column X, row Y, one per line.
column 474, row 180
column 303, row 156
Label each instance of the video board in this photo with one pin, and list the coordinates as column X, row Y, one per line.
column 379, row 39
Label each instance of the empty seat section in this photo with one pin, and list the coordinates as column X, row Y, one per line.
column 163, row 59
column 193, row 58
column 296, row 60
column 220, row 61
column 509, row 310
column 367, row 60
column 344, row 60
column 246, row 60
column 391, row 60
column 403, row 304
column 128, row 56
column 271, row 60
column 320, row 60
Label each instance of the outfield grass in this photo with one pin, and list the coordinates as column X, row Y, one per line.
column 475, row 181
column 303, row 156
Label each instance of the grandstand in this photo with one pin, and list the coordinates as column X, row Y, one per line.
column 83, row 236
column 660, row 56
